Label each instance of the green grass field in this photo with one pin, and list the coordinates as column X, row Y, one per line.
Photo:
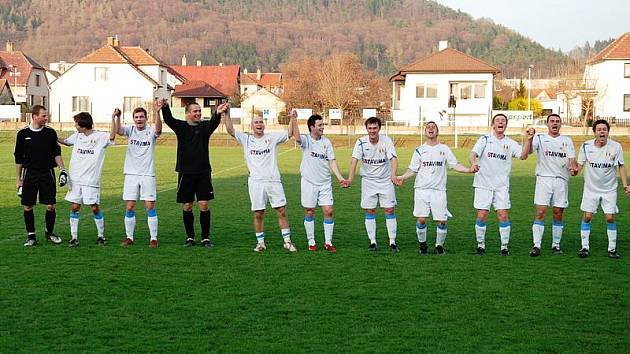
column 230, row 299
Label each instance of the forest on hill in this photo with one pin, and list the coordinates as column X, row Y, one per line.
column 384, row 34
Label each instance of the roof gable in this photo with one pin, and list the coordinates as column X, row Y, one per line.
column 196, row 88
column 449, row 60
column 22, row 62
column 618, row 49
column 222, row 77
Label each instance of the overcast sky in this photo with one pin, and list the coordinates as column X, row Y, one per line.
column 555, row 24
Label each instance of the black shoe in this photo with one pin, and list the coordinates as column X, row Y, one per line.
column 30, row 242
column 372, row 247
column 439, row 250
column 535, row 252
column 206, row 243
column 481, row 251
column 394, row 248
column 53, row 238
column 73, row 242
column 583, row 253
column 505, row 252
column 613, row 254
column 424, row 249
column 190, row 242
column 101, row 241
column 556, row 251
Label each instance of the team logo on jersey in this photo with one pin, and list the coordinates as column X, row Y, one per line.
column 505, row 146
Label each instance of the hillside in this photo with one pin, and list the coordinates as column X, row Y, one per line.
column 385, row 34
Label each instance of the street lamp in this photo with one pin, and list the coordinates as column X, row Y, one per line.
column 529, row 87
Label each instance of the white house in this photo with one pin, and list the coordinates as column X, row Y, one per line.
column 262, row 102
column 25, row 76
column 423, row 89
column 608, row 75
column 111, row 77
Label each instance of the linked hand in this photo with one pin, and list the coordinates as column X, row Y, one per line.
column 116, row 113
column 223, row 107
column 530, row 133
column 474, row 168
column 158, row 104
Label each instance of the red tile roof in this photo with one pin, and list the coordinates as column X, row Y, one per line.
column 449, row 60
column 24, row 65
column 224, row 78
column 197, row 88
column 619, row 49
column 266, row 79
column 134, row 56
column 550, row 93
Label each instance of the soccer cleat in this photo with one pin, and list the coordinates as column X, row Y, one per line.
column 190, row 242
column 330, row 248
column 30, row 242
column 583, row 253
column 73, row 242
column 439, row 250
column 535, row 252
column 424, row 249
column 312, row 248
column 101, row 241
column 505, row 252
column 556, row 251
column 53, row 238
column 480, row 251
column 127, row 242
column 372, row 247
column 394, row 248
column 153, row 244
column 207, row 244
column 289, row 246
column 613, row 254
column 260, row 247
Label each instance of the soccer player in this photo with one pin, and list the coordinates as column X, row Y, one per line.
column 555, row 159
column 318, row 159
column 492, row 157
column 86, row 164
column 430, row 162
column 140, row 169
column 193, row 166
column 36, row 154
column 602, row 157
column 378, row 175
column 264, row 184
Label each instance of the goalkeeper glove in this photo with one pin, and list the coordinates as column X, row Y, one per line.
column 63, row 178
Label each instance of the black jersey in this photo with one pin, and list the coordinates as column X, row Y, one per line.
column 36, row 149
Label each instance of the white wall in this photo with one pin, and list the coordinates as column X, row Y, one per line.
column 262, row 99
column 608, row 79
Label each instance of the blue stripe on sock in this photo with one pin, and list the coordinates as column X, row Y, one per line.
column 539, row 222
column 151, row 213
column 390, row 216
column 480, row 223
column 260, row 237
column 309, row 218
column 506, row 224
column 130, row 213
column 585, row 226
column 611, row 226
column 442, row 226
column 421, row 226
column 98, row 215
column 74, row 214
column 329, row 221
column 558, row 223
column 370, row 216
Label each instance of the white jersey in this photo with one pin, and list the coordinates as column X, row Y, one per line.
column 553, row 155
column 315, row 156
column 601, row 164
column 430, row 163
column 260, row 154
column 375, row 158
column 495, row 161
column 140, row 151
column 88, row 153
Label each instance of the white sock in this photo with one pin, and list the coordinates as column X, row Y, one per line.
column 99, row 220
column 286, row 235
column 440, row 238
column 152, row 221
column 74, row 225
column 329, row 226
column 370, row 227
column 480, row 233
column 130, row 223
column 309, row 226
column 392, row 225
column 504, row 232
column 611, row 231
column 260, row 237
column 421, row 232
column 585, row 232
column 538, row 229
column 556, row 233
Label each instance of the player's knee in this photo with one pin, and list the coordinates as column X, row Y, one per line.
column 540, row 214
column 309, row 212
column 28, row 207
column 282, row 211
column 389, row 211
column 328, row 212
column 95, row 208
column 502, row 215
column 259, row 214
column 50, row 207
column 187, row 206
column 370, row 211
column 610, row 218
column 203, row 206
column 587, row 217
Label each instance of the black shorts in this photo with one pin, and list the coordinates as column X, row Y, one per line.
column 40, row 182
column 197, row 185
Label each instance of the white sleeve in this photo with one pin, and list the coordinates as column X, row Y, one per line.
column 480, row 145
column 240, row 137
column 414, row 165
column 280, row 138
column 536, row 143
column 619, row 157
column 104, row 137
column 451, row 160
column 127, row 130
column 357, row 152
column 391, row 150
column 570, row 148
column 582, row 154
column 72, row 139
column 330, row 151
column 304, row 141
column 517, row 149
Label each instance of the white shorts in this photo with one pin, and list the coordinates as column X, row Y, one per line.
column 485, row 198
column 144, row 184
column 261, row 192
column 551, row 191
column 430, row 201
column 80, row 194
column 377, row 191
column 591, row 200
column 314, row 195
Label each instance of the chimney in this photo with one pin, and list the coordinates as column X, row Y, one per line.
column 442, row 45
column 198, row 62
column 258, row 74
column 9, row 46
column 116, row 44
column 245, row 71
column 110, row 40
column 184, row 60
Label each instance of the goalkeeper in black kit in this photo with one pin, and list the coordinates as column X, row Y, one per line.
column 37, row 153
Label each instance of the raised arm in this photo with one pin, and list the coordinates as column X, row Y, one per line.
column 294, row 127
column 116, row 122
column 227, row 121
column 157, row 121
column 114, row 126
column 527, row 144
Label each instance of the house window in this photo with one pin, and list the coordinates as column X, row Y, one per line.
column 162, row 77
column 626, row 103
column 101, row 74
column 480, row 90
column 209, row 102
column 426, row 90
column 431, row 91
column 626, row 70
column 468, row 90
column 80, row 103
column 37, row 80
column 420, row 91
column 44, row 101
column 131, row 103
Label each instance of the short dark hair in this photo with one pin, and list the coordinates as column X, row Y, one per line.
column 373, row 120
column 499, row 115
column 36, row 109
column 432, row 122
column 312, row 119
column 138, row 110
column 190, row 104
column 84, row 120
column 553, row 115
column 601, row 121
